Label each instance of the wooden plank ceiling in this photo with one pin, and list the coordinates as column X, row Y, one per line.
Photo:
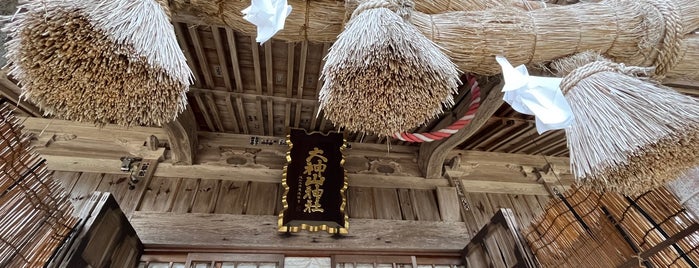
column 245, row 88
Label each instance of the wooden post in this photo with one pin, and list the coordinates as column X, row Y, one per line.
column 182, row 135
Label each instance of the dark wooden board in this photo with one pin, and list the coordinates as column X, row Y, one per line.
column 361, row 202
column 232, row 197
column 263, row 198
column 387, row 204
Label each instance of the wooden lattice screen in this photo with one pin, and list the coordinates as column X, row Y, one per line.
column 586, row 229
column 35, row 213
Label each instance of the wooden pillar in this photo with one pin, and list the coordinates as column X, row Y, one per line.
column 182, row 136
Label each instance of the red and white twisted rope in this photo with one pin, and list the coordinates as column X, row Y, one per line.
column 454, row 127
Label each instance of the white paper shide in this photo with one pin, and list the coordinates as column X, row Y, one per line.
column 268, row 16
column 534, row 95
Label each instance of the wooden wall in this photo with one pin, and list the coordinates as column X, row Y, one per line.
column 216, row 196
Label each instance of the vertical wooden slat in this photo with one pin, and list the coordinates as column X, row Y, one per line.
column 263, row 198
column 388, row 205
column 241, row 113
column 448, row 204
column 231, row 197
column 425, row 205
column 406, row 205
column 86, row 184
column 361, row 202
column 185, row 195
column 206, row 196
column 160, row 194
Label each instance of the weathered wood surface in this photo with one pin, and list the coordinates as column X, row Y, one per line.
column 182, row 136
column 259, row 232
column 104, row 239
column 78, row 147
column 449, row 204
column 433, row 154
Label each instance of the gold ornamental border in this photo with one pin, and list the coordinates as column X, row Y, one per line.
column 310, row 227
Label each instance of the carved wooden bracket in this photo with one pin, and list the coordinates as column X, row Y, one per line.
column 182, row 135
column 433, row 154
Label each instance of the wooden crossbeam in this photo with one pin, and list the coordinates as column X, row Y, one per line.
column 98, row 150
column 259, row 232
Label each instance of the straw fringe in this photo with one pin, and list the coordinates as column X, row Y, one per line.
column 630, row 135
column 382, row 76
column 67, row 60
column 143, row 25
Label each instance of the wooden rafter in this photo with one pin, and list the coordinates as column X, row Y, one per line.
column 204, row 110
column 201, row 56
column 432, row 154
column 214, row 112
column 319, row 85
column 302, row 78
column 187, row 53
column 290, row 50
column 230, row 35
column 220, row 53
column 269, row 70
column 9, row 90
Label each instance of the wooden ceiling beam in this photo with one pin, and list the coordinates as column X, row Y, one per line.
column 432, row 154
column 302, row 78
column 201, row 56
column 220, row 53
column 203, row 110
column 71, row 146
column 290, row 51
column 231, row 110
column 214, row 112
column 319, row 86
column 187, row 53
column 162, row 229
column 269, row 70
column 258, row 86
column 230, row 35
column 9, row 90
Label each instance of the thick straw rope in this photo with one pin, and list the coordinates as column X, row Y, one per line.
column 587, row 70
column 668, row 55
column 454, row 127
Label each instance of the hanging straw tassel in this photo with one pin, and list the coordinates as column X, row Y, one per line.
column 630, row 135
column 99, row 61
column 383, row 76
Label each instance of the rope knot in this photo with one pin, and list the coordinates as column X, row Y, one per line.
column 589, row 69
column 403, row 8
column 669, row 53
